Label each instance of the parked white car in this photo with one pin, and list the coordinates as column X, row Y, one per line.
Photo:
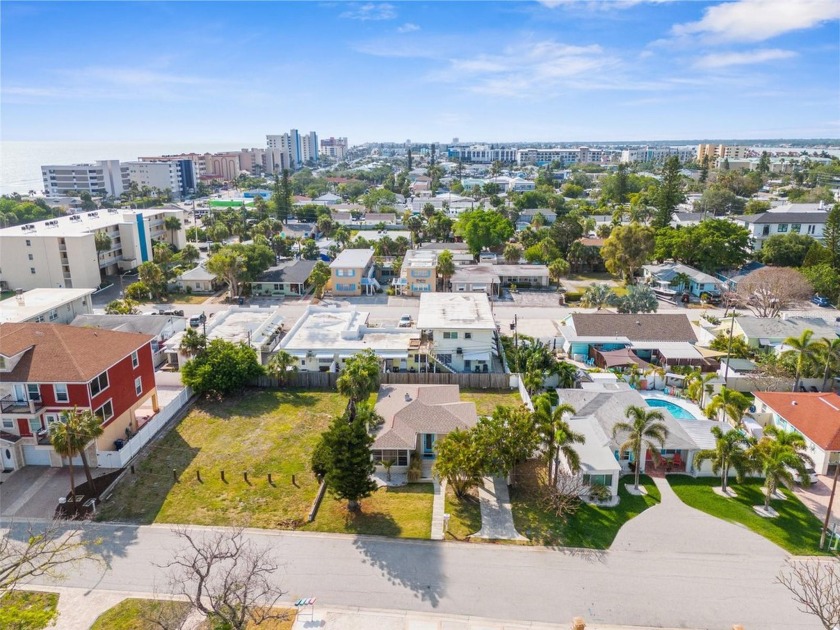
column 810, row 472
column 405, row 321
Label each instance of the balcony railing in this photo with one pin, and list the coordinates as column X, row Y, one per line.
column 9, row 404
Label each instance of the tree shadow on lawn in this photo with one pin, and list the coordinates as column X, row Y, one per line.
column 257, row 402
column 139, row 497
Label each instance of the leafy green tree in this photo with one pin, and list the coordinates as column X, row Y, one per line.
column 565, row 232
column 627, row 249
column 505, row 439
column 764, row 163
column 645, row 431
column 222, row 369
column 729, row 453
column 319, row 277
column 445, row 266
column 804, row 349
column 737, row 349
column 719, row 200
column 545, row 251
column 776, row 455
column 152, row 276
column 359, row 378
column 230, row 265
column 125, row 306
column 281, row 198
column 512, row 253
column 756, row 206
column 711, row 245
column 638, row 299
column 786, row 250
column 281, row 365
column 482, row 229
column 669, row 194
column 733, row 404
column 349, row 464
column 831, row 236
column 704, row 169
column 817, row 255
column 557, row 269
column 458, row 461
column 137, row 292
column 377, row 197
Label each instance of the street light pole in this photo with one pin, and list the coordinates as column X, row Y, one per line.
column 729, row 351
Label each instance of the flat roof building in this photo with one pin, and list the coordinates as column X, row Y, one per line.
column 54, row 306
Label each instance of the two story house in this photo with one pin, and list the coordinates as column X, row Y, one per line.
column 47, row 370
column 418, row 273
column 806, row 219
column 352, row 273
column 460, row 330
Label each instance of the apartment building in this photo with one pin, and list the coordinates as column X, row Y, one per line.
column 63, row 253
column 291, row 150
column 482, row 154
column 47, row 370
column 715, row 151
column 55, row 306
column 657, row 154
column 352, row 273
column 160, row 175
column 579, row 155
column 418, row 273
column 104, row 177
column 225, row 165
column 335, row 148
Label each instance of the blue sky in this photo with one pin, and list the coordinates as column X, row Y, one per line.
column 560, row 70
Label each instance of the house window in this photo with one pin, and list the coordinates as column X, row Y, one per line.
column 105, row 412
column 765, row 231
column 135, row 360
column 31, row 257
column 138, row 385
column 28, row 243
column 61, row 392
column 467, row 335
column 34, row 391
column 445, row 358
column 8, row 424
column 98, row 384
column 35, row 425
column 783, row 227
column 812, row 229
column 450, row 334
column 604, row 480
column 32, row 270
column 795, row 227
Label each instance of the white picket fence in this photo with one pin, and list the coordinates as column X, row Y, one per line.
column 120, row 458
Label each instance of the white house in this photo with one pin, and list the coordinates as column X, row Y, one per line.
column 805, row 219
column 53, row 306
column 461, row 331
column 197, row 280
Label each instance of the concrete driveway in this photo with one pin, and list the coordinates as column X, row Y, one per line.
column 33, row 491
column 816, row 496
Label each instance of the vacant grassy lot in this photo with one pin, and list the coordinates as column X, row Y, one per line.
column 404, row 512
column 259, row 432
column 464, row 515
column 591, row 526
column 187, row 298
column 28, row 610
column 486, row 400
column 139, row 614
column 796, row 529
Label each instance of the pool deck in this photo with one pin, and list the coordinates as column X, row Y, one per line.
column 689, row 406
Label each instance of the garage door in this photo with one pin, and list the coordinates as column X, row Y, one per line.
column 35, row 456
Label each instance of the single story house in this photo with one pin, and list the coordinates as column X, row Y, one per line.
column 601, row 407
column 287, row 278
column 815, row 416
column 668, row 277
column 198, row 280
column 415, row 417
column 770, row 332
column 490, row 279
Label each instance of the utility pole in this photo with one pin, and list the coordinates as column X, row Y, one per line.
column 729, row 350
column 516, row 341
column 830, row 504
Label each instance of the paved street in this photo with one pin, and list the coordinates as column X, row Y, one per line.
column 692, row 586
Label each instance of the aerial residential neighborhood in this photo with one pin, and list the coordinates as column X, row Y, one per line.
column 404, row 316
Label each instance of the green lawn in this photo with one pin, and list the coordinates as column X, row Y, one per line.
column 139, row 614
column 261, row 432
column 28, row 610
column 464, row 515
column 404, row 512
column 796, row 529
column 187, row 298
column 487, row 400
column 590, row 527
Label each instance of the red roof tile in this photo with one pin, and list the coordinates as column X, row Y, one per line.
column 817, row 415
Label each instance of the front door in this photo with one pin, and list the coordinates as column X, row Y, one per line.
column 20, row 392
column 428, row 445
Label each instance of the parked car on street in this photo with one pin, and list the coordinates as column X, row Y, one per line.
column 405, row 321
column 820, row 300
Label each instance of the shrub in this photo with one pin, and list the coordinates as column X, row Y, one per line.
column 573, row 296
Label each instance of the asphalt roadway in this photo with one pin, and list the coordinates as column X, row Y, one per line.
column 628, row 585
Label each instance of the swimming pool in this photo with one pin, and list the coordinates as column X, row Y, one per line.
column 678, row 412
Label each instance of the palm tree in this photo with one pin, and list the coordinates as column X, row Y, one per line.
column 777, row 460
column 192, row 343
column 71, row 436
column 729, row 453
column 557, row 435
column 173, row 224
column 90, row 428
column 512, row 253
column 190, row 254
column 831, row 350
column 567, row 373
column 280, row 365
column 644, row 431
column 62, row 437
column 445, row 266
column 696, row 384
column 359, row 378
column 597, row 296
column 557, row 269
column 733, row 404
column 804, row 350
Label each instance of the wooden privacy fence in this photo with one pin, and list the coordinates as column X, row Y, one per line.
column 327, row 380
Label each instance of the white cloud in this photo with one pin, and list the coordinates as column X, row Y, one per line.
column 724, row 60
column 528, row 69
column 599, row 4
column 408, row 27
column 370, row 11
column 757, row 20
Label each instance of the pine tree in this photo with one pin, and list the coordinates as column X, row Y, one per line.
column 349, row 464
column 670, row 193
column 831, row 236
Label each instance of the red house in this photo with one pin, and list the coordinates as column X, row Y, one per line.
column 46, row 369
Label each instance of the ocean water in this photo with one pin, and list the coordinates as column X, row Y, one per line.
column 21, row 161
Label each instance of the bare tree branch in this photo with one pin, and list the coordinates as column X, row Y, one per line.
column 226, row 577
column 769, row 290
column 815, row 585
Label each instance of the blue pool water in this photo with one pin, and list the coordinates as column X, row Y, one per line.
column 678, row 412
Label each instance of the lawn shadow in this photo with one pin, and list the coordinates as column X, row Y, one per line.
column 139, row 496
column 415, row 566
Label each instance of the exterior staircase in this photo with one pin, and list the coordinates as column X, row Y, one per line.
column 441, row 366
